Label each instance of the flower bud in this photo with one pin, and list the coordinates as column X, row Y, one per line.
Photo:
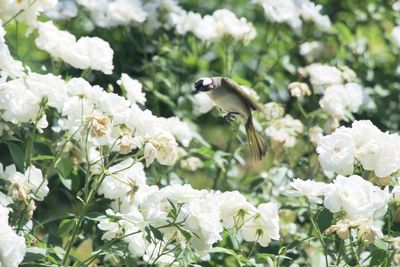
column 298, row 89
column 18, row 192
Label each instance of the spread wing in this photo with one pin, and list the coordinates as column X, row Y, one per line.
column 232, row 85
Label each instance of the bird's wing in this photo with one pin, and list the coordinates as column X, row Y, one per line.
column 232, row 85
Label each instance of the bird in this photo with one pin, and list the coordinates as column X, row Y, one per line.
column 230, row 97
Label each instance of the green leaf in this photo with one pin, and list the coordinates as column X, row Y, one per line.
column 157, row 234
column 34, row 253
column 64, row 168
column 59, row 251
column 324, row 219
column 378, row 257
column 164, row 98
column 223, row 251
column 66, row 227
column 130, row 262
column 17, row 155
column 43, row 157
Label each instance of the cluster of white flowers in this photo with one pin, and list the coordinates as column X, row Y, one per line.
column 339, row 98
column 113, row 120
column 28, row 10
column 362, row 202
column 85, row 53
column 285, row 130
column 364, row 143
column 292, row 11
column 12, row 246
column 214, row 27
column 203, row 214
column 109, row 13
column 151, row 15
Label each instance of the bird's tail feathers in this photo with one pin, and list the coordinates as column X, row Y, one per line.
column 257, row 145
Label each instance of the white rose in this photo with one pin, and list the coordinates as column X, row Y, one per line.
column 336, row 152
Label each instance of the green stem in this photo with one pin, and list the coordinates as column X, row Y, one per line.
column 319, row 234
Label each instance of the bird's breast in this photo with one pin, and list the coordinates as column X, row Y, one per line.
column 229, row 102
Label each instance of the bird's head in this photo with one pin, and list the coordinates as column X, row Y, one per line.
column 203, row 85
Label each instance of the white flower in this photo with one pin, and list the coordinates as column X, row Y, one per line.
column 8, row 64
column 285, row 130
column 99, row 53
column 363, row 131
column 228, row 24
column 192, row 163
column 396, row 35
column 289, row 12
column 204, row 220
column 309, row 189
column 315, row 133
column 122, row 179
column 339, row 98
column 111, row 229
column 17, row 102
column 381, row 154
column 298, row 89
column 282, row 11
column 48, row 86
column 311, row 50
column 273, row 110
column 107, row 13
column 264, row 226
column 87, row 52
column 123, row 12
column 12, row 246
column 63, row 10
column 348, row 74
column 182, row 131
column 336, row 152
column 220, row 24
column 31, row 181
column 36, row 182
column 321, row 74
column 162, row 148
column 28, row 11
column 133, row 89
column 234, row 209
column 311, row 11
column 359, row 198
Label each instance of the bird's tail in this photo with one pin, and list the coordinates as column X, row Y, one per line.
column 257, row 145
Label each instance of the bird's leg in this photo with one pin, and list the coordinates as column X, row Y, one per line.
column 231, row 116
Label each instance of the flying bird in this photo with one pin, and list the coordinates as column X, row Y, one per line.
column 230, row 97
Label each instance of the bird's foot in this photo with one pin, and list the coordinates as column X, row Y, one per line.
column 230, row 117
